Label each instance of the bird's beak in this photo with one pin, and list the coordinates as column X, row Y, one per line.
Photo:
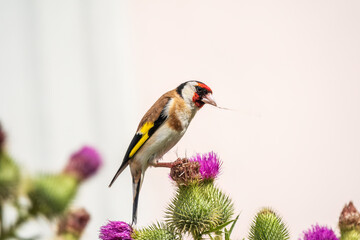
column 208, row 98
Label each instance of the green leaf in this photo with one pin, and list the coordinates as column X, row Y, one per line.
column 227, row 235
column 218, row 228
column 233, row 225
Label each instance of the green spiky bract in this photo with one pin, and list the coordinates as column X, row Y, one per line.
column 198, row 208
column 350, row 235
column 9, row 177
column 158, row 231
column 50, row 195
column 268, row 226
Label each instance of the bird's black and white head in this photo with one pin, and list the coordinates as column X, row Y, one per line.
column 196, row 93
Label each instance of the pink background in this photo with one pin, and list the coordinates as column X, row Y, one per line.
column 84, row 72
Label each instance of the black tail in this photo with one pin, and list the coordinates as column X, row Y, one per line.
column 119, row 171
column 136, row 190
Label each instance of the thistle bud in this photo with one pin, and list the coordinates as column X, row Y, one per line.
column 198, row 208
column 50, row 195
column 349, row 223
column 73, row 223
column 267, row 225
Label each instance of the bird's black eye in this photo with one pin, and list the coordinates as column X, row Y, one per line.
column 201, row 91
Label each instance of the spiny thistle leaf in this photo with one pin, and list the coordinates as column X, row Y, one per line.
column 228, row 232
column 198, row 208
column 158, row 231
column 268, row 226
column 218, row 229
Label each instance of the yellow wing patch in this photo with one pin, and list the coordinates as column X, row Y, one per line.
column 144, row 130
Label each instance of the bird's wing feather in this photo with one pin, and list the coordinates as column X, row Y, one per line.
column 151, row 121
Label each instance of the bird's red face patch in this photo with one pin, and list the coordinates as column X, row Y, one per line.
column 197, row 100
column 201, row 91
column 205, row 86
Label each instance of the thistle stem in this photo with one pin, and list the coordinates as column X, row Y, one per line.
column 12, row 230
column 1, row 221
column 196, row 236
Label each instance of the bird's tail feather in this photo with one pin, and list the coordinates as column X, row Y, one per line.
column 119, row 171
column 136, row 190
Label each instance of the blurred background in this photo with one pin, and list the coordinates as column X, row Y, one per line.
column 84, row 72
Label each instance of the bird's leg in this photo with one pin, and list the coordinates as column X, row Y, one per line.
column 156, row 163
column 163, row 164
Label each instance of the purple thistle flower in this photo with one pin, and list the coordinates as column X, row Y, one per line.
column 116, row 230
column 209, row 165
column 84, row 163
column 320, row 233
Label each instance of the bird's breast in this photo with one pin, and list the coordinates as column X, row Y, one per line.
column 168, row 134
column 158, row 144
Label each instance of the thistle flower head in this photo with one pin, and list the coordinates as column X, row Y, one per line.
column 199, row 167
column 84, row 163
column 116, row 230
column 198, row 208
column 319, row 233
column 209, row 165
column 74, row 222
column 185, row 172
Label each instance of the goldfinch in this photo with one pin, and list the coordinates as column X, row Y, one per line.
column 160, row 129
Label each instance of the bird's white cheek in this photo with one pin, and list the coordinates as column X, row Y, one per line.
column 185, row 116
